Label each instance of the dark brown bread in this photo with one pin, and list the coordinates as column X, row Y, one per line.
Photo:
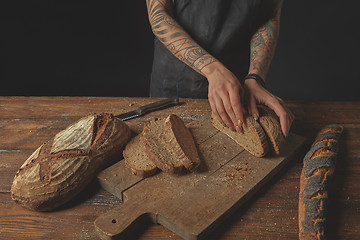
column 318, row 168
column 170, row 145
column 137, row 160
column 270, row 122
column 253, row 139
column 62, row 167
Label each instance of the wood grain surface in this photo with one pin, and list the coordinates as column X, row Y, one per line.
column 27, row 122
column 191, row 205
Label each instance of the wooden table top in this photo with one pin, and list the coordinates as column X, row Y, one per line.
column 26, row 122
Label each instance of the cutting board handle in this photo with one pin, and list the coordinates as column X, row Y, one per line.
column 120, row 221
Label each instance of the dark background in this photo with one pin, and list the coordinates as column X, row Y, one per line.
column 106, row 49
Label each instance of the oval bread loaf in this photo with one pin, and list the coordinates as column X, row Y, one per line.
column 62, row 167
column 318, row 168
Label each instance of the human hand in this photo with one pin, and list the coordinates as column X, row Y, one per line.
column 225, row 97
column 256, row 94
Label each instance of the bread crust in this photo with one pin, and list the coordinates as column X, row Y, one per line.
column 318, row 168
column 63, row 166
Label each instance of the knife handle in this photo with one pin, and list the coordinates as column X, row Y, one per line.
column 156, row 105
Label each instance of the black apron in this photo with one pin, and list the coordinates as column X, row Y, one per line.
column 221, row 27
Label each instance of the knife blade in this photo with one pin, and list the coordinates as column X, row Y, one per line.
column 140, row 111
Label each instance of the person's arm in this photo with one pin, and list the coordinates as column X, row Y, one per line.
column 262, row 49
column 224, row 88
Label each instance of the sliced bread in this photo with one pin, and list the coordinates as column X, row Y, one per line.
column 169, row 144
column 253, row 139
column 180, row 137
column 136, row 159
column 155, row 142
column 269, row 121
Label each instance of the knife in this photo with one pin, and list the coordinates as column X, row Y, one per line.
column 140, row 111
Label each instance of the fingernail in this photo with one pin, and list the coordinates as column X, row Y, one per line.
column 241, row 130
column 240, row 123
column 255, row 116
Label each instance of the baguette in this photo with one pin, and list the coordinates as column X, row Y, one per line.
column 318, row 168
column 63, row 166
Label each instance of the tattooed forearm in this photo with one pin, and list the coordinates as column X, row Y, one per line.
column 263, row 44
column 174, row 37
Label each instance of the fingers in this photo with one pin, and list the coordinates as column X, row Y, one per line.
column 227, row 106
column 256, row 94
column 236, row 108
column 284, row 113
column 252, row 109
column 220, row 112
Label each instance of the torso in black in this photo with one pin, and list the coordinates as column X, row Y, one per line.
column 221, row 27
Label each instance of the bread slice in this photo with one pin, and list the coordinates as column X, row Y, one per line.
column 136, row 159
column 180, row 137
column 169, row 144
column 155, row 142
column 253, row 139
column 270, row 122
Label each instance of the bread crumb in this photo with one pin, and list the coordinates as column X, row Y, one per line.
column 239, row 173
column 131, row 104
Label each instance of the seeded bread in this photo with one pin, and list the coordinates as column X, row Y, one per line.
column 270, row 122
column 253, row 139
column 318, row 168
column 62, row 167
column 169, row 144
column 137, row 160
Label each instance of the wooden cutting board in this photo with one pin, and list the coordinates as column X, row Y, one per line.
column 191, row 204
